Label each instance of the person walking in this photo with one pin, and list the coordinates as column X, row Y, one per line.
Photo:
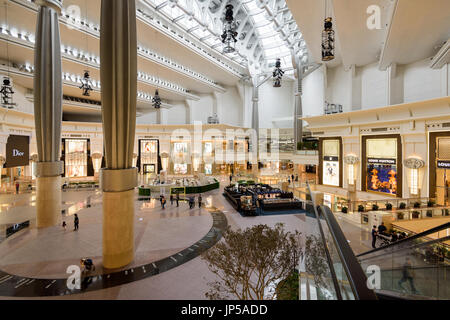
column 200, row 201
column 407, row 275
column 163, row 202
column 76, row 222
column 231, row 178
column 171, row 199
column 177, row 199
column 374, row 236
column 17, row 187
column 64, row 225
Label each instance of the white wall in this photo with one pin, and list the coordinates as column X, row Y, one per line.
column 421, row 82
column 231, row 107
column 149, row 118
column 177, row 114
column 313, row 98
column 339, row 87
column 276, row 105
column 374, row 87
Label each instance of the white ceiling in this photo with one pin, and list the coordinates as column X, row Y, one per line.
column 410, row 30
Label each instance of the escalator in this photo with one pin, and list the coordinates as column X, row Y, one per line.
column 413, row 268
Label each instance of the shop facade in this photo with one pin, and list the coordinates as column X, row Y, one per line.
column 399, row 151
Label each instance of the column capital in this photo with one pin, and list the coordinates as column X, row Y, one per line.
column 49, row 169
column 54, row 4
column 118, row 180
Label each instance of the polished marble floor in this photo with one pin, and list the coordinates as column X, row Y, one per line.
column 45, row 254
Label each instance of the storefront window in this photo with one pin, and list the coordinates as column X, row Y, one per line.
column 330, row 171
column 208, row 168
column 381, row 165
column 443, row 171
column 180, row 168
column 149, row 156
column 76, row 158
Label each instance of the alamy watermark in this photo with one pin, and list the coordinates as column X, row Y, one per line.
column 374, row 19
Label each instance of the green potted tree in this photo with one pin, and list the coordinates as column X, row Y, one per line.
column 375, row 207
column 400, row 215
column 360, row 208
column 344, row 209
column 402, row 205
column 430, row 203
column 416, row 205
column 388, row 206
column 415, row 214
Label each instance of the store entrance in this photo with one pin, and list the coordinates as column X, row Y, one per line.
column 442, row 186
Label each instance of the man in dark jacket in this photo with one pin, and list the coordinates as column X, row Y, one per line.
column 374, row 236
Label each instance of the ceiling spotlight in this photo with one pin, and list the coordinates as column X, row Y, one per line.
column 156, row 101
column 277, row 74
column 86, row 84
column 229, row 36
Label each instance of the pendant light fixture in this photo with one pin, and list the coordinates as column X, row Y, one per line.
column 277, row 74
column 6, row 90
column 328, row 38
column 156, row 100
column 7, row 93
column 229, row 36
column 86, row 84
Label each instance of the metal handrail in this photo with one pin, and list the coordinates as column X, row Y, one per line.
column 409, row 239
column 355, row 274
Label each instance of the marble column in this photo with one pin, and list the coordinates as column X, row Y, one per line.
column 48, row 113
column 118, row 75
column 255, row 124
column 298, row 111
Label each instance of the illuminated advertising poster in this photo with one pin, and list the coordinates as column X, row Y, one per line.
column 208, row 147
column 149, row 146
column 331, row 171
column 180, row 168
column 382, row 175
column 208, row 168
column 76, row 158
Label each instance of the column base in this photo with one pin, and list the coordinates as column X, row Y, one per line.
column 48, row 201
column 118, row 229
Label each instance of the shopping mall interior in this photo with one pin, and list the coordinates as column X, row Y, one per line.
column 137, row 135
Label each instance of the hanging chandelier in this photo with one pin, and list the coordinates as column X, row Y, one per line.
column 229, row 36
column 86, row 84
column 156, row 101
column 328, row 40
column 277, row 74
column 7, row 94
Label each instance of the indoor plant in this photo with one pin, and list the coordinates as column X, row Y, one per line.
column 360, row 208
column 388, row 206
column 402, row 205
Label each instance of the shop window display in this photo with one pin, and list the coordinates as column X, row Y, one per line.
column 330, row 162
column 381, row 165
column 382, row 176
column 180, row 168
column 76, row 158
column 149, row 156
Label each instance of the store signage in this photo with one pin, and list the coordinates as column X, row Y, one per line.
column 17, row 151
column 443, row 164
column 382, row 161
column 330, row 158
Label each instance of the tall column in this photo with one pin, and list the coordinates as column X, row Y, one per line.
column 48, row 113
column 298, row 111
column 118, row 75
column 255, row 124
